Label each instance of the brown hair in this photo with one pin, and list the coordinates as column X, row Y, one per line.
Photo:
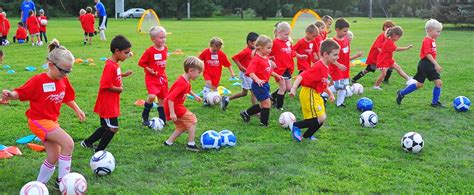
column 216, row 41
column 388, row 24
column 396, row 30
column 311, row 28
column 328, row 45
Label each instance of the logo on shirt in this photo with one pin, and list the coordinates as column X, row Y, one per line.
column 161, row 64
column 213, row 62
column 56, row 98
column 269, row 68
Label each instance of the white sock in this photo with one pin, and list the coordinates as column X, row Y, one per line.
column 46, row 171
column 341, row 95
column 64, row 165
column 192, row 143
column 102, row 35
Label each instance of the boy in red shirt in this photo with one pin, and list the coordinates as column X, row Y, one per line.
column 20, row 34
column 214, row 58
column 374, row 53
column 242, row 59
column 6, row 29
column 183, row 119
column 307, row 46
column 153, row 62
column 46, row 93
column 33, row 27
column 87, row 23
column 314, row 82
column 428, row 66
column 43, row 21
column 107, row 105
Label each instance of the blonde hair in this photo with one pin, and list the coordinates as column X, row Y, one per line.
column 4, row 14
column 194, row 63
column 282, row 27
column 311, row 28
column 433, row 24
column 59, row 54
column 156, row 29
column 327, row 18
column 319, row 24
column 262, row 41
column 396, row 30
column 216, row 41
column 82, row 12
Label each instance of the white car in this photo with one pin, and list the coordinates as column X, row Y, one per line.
column 133, row 13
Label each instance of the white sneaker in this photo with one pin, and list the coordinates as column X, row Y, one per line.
column 377, row 88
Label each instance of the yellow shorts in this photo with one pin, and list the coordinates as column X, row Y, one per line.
column 41, row 128
column 312, row 105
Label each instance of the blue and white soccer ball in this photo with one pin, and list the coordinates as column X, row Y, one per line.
column 211, row 140
column 227, row 138
column 102, row 163
column 364, row 104
column 368, row 119
column 461, row 104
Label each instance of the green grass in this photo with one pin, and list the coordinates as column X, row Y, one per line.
column 346, row 157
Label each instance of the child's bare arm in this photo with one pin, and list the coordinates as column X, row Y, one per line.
column 358, row 55
column 241, row 68
column 10, row 95
column 232, row 74
column 404, row 48
column 79, row 113
column 172, row 113
column 432, row 60
column 295, row 85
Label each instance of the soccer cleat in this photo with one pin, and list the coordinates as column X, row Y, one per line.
column 263, row 125
column 205, row 103
column 224, row 102
column 399, row 97
column 296, row 133
column 341, row 106
column 437, row 105
column 377, row 88
column 245, row 117
column 312, row 138
column 84, row 145
column 193, row 148
column 146, row 123
column 166, row 144
column 386, row 82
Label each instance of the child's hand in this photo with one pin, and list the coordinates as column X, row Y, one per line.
column 173, row 116
column 409, row 46
column 197, row 98
column 302, row 57
column 272, row 63
column 360, row 53
column 331, row 98
column 438, row 68
column 341, row 67
column 292, row 92
column 260, row 82
column 128, row 73
column 80, row 114
column 5, row 94
column 151, row 71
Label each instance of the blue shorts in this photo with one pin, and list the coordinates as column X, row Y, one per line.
column 261, row 93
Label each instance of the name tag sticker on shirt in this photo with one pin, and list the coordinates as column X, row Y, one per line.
column 119, row 72
column 158, row 56
column 345, row 49
column 214, row 57
column 49, row 87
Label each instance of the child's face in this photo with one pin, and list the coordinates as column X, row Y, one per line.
column 159, row 40
column 349, row 38
column 341, row 33
column 395, row 37
column 328, row 23
column 122, row 55
column 59, row 71
column 193, row 73
column 311, row 36
column 251, row 44
column 266, row 50
column 283, row 35
column 322, row 29
column 332, row 57
column 215, row 48
column 434, row 32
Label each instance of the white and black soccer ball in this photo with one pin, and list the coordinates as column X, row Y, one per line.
column 368, row 119
column 156, row 124
column 357, row 89
column 44, row 22
column 286, row 118
column 349, row 91
column 461, row 104
column 412, row 142
column 73, row 183
column 34, row 187
column 227, row 138
column 102, row 163
column 213, row 98
column 211, row 140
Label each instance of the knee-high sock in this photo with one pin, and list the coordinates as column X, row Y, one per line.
column 408, row 89
column 95, row 136
column 436, row 94
column 253, row 110
column 46, row 171
column 280, row 100
column 64, row 165
column 161, row 112
column 306, row 123
column 358, row 76
column 389, row 73
column 146, row 111
column 311, row 130
column 104, row 140
column 341, row 95
column 265, row 113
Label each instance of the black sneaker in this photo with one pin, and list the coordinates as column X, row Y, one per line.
column 341, row 106
column 224, row 102
column 193, row 148
column 263, row 125
column 437, row 105
column 85, row 145
column 399, row 97
column 166, row 144
column 85, row 43
column 146, row 123
column 55, row 184
column 386, row 82
column 244, row 116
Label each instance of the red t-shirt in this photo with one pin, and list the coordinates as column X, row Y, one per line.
column 156, row 60
column 428, row 47
column 344, row 59
column 261, row 67
column 213, row 63
column 20, row 33
column 306, row 48
column 33, row 25
column 324, row 35
column 6, row 26
column 244, row 57
column 385, row 58
column 107, row 104
column 283, row 53
column 42, row 27
column 316, row 77
column 318, row 40
column 46, row 96
column 374, row 52
column 178, row 92
column 87, row 22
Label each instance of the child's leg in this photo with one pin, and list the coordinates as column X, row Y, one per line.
column 191, row 135
column 265, row 111
column 147, row 107
column 369, row 68
column 60, row 137
column 161, row 110
column 173, row 136
column 49, row 164
column 400, row 71
column 243, row 93
column 315, row 125
column 253, row 99
column 379, row 80
column 341, row 92
column 14, row 39
column 436, row 91
column 96, row 135
column 45, row 37
column 90, row 40
column 112, row 128
column 280, row 94
column 207, row 88
column 254, row 109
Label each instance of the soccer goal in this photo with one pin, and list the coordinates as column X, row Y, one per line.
column 302, row 19
column 148, row 20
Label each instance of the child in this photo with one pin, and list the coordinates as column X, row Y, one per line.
column 153, row 62
column 314, row 82
column 20, row 34
column 46, row 92
column 107, row 105
column 319, row 39
column 214, row 58
column 87, row 23
column 33, row 27
column 183, row 119
column 260, row 69
column 2, row 55
column 428, row 67
column 242, row 59
column 2, row 27
column 328, row 22
column 374, row 53
column 307, row 46
column 6, row 29
column 385, row 58
column 42, row 30
column 282, row 54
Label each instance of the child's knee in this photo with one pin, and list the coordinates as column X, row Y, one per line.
column 322, row 118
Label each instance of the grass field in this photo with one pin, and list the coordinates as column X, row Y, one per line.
column 346, row 157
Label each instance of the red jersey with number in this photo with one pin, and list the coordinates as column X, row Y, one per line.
column 46, row 96
column 261, row 67
column 316, row 77
column 374, row 50
column 177, row 94
column 107, row 104
column 428, row 47
column 385, row 59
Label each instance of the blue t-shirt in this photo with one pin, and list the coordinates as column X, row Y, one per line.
column 25, row 8
column 100, row 9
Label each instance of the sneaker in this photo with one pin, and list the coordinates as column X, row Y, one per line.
column 437, row 105
column 146, row 123
column 312, row 138
column 377, row 88
column 342, row 105
column 166, row 144
column 244, row 116
column 263, row 125
column 386, row 82
column 55, row 184
column 84, row 145
column 85, row 43
column 280, row 109
column 224, row 102
column 295, row 132
column 399, row 97
column 193, row 148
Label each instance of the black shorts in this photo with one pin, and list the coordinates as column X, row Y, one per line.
column 426, row 69
column 109, row 122
column 88, row 34
column 287, row 74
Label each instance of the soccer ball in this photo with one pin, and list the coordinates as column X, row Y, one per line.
column 368, row 119
column 102, row 163
column 44, row 22
column 412, row 142
column 227, row 138
column 211, row 139
column 349, row 92
column 156, row 124
column 34, row 187
column 286, row 118
column 410, row 82
column 213, row 98
column 461, row 104
column 73, row 183
column 364, row 104
column 357, row 89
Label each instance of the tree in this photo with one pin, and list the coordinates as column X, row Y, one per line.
column 334, row 5
column 264, row 8
column 454, row 11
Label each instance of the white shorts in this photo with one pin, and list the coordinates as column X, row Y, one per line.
column 246, row 81
column 341, row 84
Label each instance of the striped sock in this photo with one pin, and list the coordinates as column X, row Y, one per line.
column 64, row 165
column 46, row 171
